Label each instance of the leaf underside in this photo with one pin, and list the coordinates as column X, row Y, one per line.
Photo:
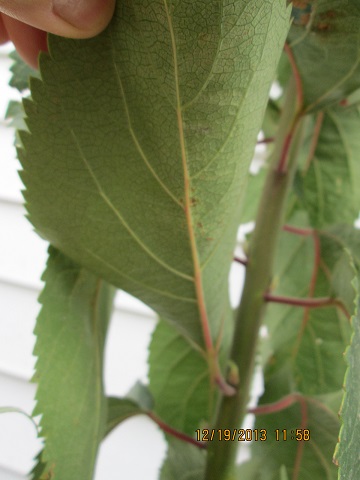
column 139, row 144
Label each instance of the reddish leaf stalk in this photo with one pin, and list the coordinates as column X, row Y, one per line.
column 305, row 232
column 278, row 406
column 297, row 77
column 302, row 302
column 241, row 260
column 282, row 166
column 265, row 140
column 173, row 432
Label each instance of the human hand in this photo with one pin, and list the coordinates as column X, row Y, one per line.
column 25, row 22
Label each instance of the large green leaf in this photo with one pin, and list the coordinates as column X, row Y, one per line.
column 347, row 450
column 140, row 143
column 70, row 331
column 325, row 38
column 330, row 183
column 179, row 381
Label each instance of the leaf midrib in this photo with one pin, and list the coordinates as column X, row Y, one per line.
column 187, row 200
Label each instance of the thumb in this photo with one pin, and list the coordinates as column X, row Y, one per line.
column 68, row 18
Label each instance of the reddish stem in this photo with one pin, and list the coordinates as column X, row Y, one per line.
column 240, row 260
column 266, row 140
column 285, row 151
column 305, row 232
column 175, row 433
column 306, row 302
column 278, row 406
column 299, row 90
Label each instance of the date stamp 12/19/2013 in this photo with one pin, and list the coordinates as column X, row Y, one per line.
column 252, row 435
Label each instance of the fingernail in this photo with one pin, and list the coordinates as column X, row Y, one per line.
column 82, row 14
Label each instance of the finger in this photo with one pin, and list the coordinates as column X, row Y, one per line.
column 68, row 18
column 4, row 37
column 28, row 41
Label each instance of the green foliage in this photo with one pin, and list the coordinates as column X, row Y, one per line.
column 135, row 156
column 71, row 330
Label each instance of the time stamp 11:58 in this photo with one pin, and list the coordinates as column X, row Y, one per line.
column 250, row 435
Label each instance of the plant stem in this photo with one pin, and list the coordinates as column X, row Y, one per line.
column 269, row 221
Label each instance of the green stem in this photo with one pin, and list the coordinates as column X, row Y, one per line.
column 231, row 412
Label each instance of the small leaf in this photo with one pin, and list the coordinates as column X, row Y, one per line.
column 70, row 331
column 140, row 393
column 183, row 462
column 325, row 39
column 138, row 401
column 120, row 409
column 347, row 450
